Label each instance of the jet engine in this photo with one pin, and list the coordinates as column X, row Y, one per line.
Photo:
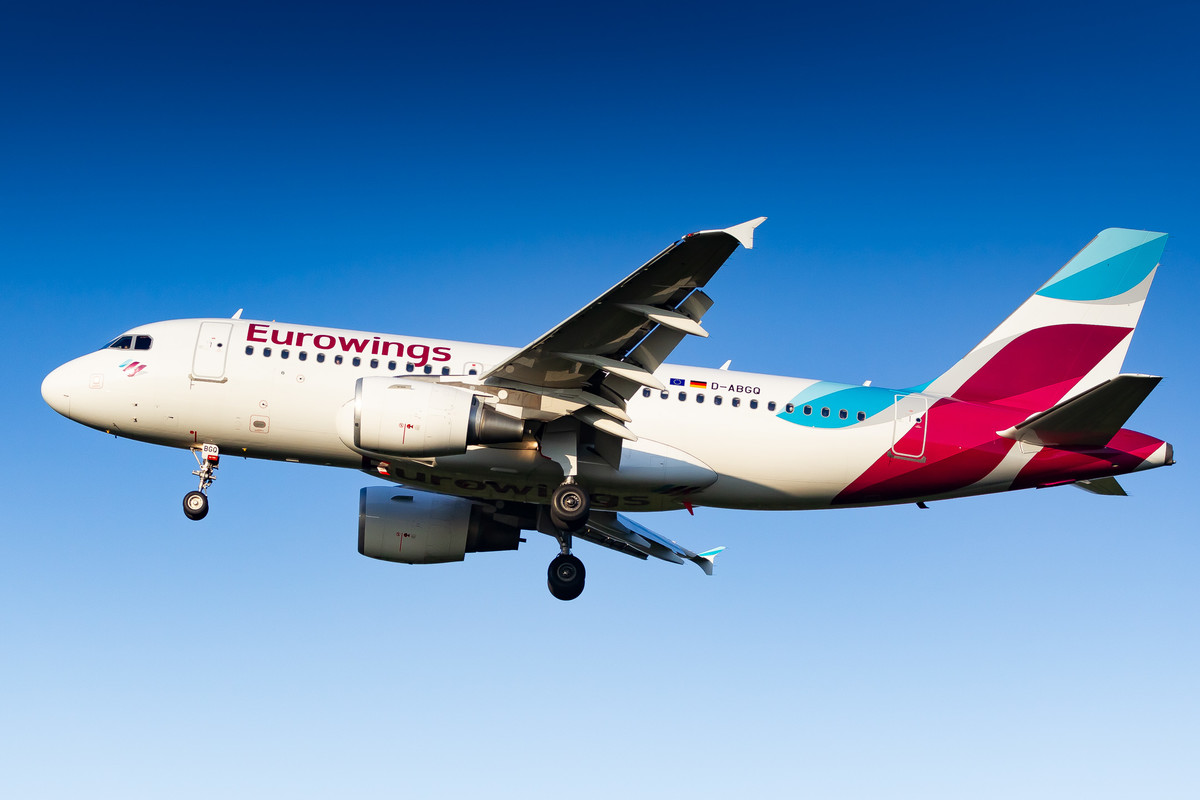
column 420, row 419
column 420, row 528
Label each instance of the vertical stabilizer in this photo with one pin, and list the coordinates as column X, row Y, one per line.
column 1071, row 335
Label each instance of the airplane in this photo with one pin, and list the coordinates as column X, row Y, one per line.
column 589, row 423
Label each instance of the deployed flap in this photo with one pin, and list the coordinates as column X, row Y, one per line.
column 620, row 533
column 602, row 336
column 1090, row 419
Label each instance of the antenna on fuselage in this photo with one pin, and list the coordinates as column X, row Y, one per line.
column 238, row 314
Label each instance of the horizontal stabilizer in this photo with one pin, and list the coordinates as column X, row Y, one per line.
column 1090, row 419
column 1105, row 486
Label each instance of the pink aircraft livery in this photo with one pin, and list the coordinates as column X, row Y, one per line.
column 472, row 444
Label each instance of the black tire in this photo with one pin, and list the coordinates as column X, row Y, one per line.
column 195, row 505
column 569, row 507
column 565, row 577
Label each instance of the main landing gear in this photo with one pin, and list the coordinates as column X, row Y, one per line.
column 565, row 577
column 195, row 504
column 569, row 507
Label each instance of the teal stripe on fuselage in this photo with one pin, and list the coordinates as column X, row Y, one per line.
column 871, row 400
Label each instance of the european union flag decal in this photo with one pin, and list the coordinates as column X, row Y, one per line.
column 677, row 381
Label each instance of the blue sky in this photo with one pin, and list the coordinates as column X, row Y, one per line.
column 479, row 173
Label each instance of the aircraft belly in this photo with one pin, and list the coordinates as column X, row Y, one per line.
column 494, row 473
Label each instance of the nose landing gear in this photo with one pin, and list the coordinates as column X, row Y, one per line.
column 195, row 504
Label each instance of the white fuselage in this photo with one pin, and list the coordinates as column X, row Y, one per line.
column 255, row 397
column 714, row 437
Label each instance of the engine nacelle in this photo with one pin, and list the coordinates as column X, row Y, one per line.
column 420, row 419
column 420, row 528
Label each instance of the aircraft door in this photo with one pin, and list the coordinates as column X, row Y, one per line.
column 212, row 345
column 911, row 426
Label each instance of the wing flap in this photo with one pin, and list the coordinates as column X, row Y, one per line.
column 618, row 532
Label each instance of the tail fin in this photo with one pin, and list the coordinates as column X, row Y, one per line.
column 1071, row 335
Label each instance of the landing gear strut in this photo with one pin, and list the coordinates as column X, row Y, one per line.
column 569, row 507
column 195, row 504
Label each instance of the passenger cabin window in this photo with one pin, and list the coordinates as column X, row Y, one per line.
column 302, row 355
column 717, row 400
column 771, row 406
column 808, row 411
column 445, row 370
column 843, row 414
column 391, row 366
column 284, row 353
column 374, row 363
column 754, row 404
column 249, row 349
column 337, row 359
column 409, row 367
column 267, row 352
column 789, row 408
column 645, row 392
column 357, row 361
column 700, row 397
column 683, row 395
column 320, row 358
column 862, row 415
column 824, row 412
column 737, row 401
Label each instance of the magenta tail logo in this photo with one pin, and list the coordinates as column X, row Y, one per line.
column 132, row 367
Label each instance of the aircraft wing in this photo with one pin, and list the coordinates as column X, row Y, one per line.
column 615, row 342
column 618, row 532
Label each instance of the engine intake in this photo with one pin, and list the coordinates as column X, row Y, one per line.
column 420, row 528
column 421, row 419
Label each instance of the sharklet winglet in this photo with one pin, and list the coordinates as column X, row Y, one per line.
column 744, row 232
column 706, row 559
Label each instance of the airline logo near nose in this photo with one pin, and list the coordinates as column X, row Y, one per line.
column 131, row 367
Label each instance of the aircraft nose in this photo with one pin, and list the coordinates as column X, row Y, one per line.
column 56, row 391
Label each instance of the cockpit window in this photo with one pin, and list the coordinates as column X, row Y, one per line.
column 129, row 342
column 120, row 343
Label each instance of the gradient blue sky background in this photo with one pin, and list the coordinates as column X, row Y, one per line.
column 478, row 173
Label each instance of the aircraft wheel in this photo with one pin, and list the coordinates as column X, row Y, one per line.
column 195, row 505
column 565, row 577
column 569, row 507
